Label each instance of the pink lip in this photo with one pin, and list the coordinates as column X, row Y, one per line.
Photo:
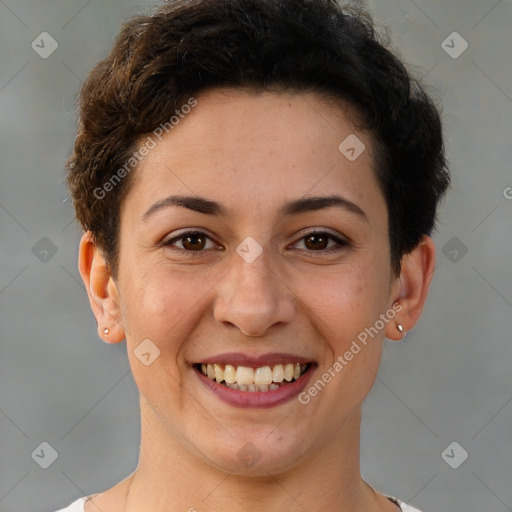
column 258, row 399
column 238, row 359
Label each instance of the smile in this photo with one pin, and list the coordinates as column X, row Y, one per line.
column 254, row 381
column 246, row 378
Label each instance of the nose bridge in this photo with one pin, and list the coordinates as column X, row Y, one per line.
column 253, row 297
column 256, row 277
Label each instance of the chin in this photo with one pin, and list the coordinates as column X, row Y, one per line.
column 253, row 453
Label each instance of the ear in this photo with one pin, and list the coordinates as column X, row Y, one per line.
column 411, row 288
column 101, row 290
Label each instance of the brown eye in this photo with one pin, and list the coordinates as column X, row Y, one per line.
column 194, row 242
column 316, row 241
column 321, row 241
column 191, row 241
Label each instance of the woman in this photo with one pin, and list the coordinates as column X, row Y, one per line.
column 258, row 182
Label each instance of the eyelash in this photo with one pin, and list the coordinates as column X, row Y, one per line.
column 341, row 243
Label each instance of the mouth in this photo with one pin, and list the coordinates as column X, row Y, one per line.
column 248, row 379
column 261, row 382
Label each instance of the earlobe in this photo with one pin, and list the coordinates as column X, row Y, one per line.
column 417, row 270
column 101, row 290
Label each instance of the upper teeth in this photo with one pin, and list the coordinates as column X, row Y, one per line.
column 245, row 375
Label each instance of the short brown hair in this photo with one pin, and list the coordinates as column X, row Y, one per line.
column 159, row 61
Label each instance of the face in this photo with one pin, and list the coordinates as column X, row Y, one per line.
column 248, row 272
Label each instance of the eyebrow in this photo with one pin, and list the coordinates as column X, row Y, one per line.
column 209, row 207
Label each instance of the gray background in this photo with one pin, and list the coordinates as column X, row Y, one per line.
column 449, row 380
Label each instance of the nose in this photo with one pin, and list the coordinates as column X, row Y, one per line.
column 253, row 297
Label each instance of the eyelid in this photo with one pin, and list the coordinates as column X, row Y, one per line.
column 169, row 241
column 340, row 240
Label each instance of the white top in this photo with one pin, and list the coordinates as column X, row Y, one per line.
column 78, row 505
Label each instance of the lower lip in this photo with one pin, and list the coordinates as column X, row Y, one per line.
column 258, row 399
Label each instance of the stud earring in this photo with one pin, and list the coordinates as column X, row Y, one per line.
column 400, row 328
column 106, row 331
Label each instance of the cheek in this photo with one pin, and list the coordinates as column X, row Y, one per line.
column 163, row 307
column 165, row 304
column 345, row 302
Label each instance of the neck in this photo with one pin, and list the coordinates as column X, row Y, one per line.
column 170, row 478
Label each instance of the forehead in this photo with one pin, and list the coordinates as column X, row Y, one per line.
column 250, row 147
column 261, row 119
